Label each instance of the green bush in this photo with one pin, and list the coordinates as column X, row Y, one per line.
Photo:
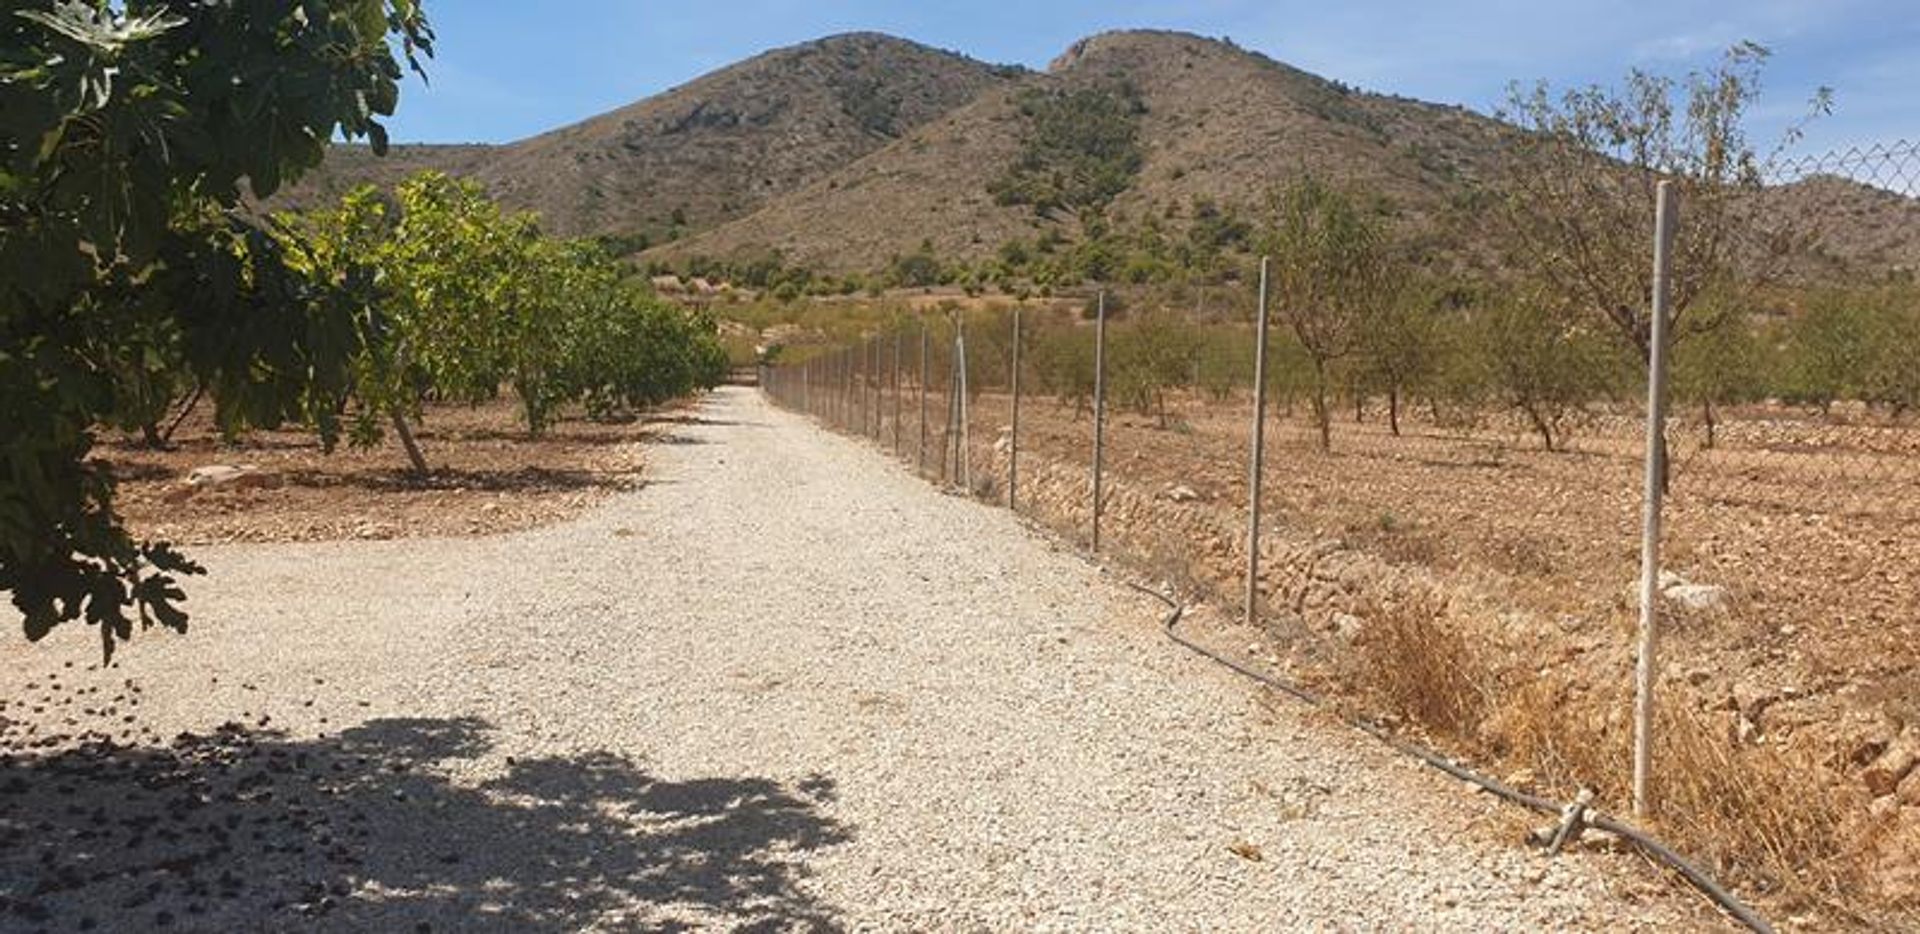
column 1081, row 149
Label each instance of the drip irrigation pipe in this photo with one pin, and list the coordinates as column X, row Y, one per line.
column 1648, row 846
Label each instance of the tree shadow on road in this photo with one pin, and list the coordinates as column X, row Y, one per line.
column 247, row 829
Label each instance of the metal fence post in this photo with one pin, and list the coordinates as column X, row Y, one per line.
column 920, row 459
column 1099, row 411
column 1013, row 448
column 896, row 390
column 1256, row 472
column 964, row 453
column 1666, row 216
column 947, row 467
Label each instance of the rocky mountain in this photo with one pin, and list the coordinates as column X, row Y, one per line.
column 1216, row 122
column 698, row 155
column 843, row 153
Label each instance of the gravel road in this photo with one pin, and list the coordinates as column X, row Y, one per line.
column 786, row 685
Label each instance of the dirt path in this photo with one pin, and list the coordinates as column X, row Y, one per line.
column 785, row 685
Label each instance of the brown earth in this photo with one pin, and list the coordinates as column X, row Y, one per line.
column 488, row 477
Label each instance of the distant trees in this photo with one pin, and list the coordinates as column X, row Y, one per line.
column 1398, row 345
column 1151, row 354
column 1856, row 344
column 1081, row 148
column 918, row 269
column 464, row 297
column 1547, row 366
column 1728, row 364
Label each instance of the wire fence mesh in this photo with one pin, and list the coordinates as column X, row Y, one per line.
column 1450, row 513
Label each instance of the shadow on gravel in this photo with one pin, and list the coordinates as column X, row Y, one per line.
column 245, row 829
column 703, row 421
column 522, row 480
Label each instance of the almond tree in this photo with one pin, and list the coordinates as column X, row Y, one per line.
column 1329, row 266
column 1578, row 197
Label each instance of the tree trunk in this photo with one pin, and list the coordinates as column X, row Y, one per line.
column 1712, row 425
column 405, row 433
column 1322, row 417
column 151, row 437
column 1540, row 425
column 1393, row 410
column 193, row 402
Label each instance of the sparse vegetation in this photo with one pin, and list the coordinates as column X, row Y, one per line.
column 1080, row 149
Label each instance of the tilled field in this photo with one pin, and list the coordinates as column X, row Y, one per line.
column 784, row 686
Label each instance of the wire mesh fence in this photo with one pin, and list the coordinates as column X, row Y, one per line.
column 1450, row 511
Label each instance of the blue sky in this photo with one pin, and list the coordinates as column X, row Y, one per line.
column 509, row 68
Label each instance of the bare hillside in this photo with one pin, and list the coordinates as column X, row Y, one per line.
column 708, row 151
column 842, row 153
column 1219, row 123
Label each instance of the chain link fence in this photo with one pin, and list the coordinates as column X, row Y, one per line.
column 1451, row 519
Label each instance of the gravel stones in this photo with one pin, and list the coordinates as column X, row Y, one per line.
column 785, row 686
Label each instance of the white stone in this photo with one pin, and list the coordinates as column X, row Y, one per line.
column 1699, row 598
column 1181, row 494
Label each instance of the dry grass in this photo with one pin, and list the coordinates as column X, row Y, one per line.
column 1751, row 814
column 1768, row 820
column 1762, row 815
column 1421, row 665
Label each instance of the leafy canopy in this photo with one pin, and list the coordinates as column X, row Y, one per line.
column 127, row 130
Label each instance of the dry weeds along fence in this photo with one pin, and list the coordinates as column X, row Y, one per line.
column 1466, row 559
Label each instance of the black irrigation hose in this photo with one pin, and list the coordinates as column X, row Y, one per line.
column 1650, row 847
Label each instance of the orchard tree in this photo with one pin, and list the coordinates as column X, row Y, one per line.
column 1398, row 343
column 1329, row 270
column 1545, row 364
column 127, row 131
column 1153, row 353
column 467, row 298
column 1861, row 344
column 1724, row 366
column 1579, row 193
